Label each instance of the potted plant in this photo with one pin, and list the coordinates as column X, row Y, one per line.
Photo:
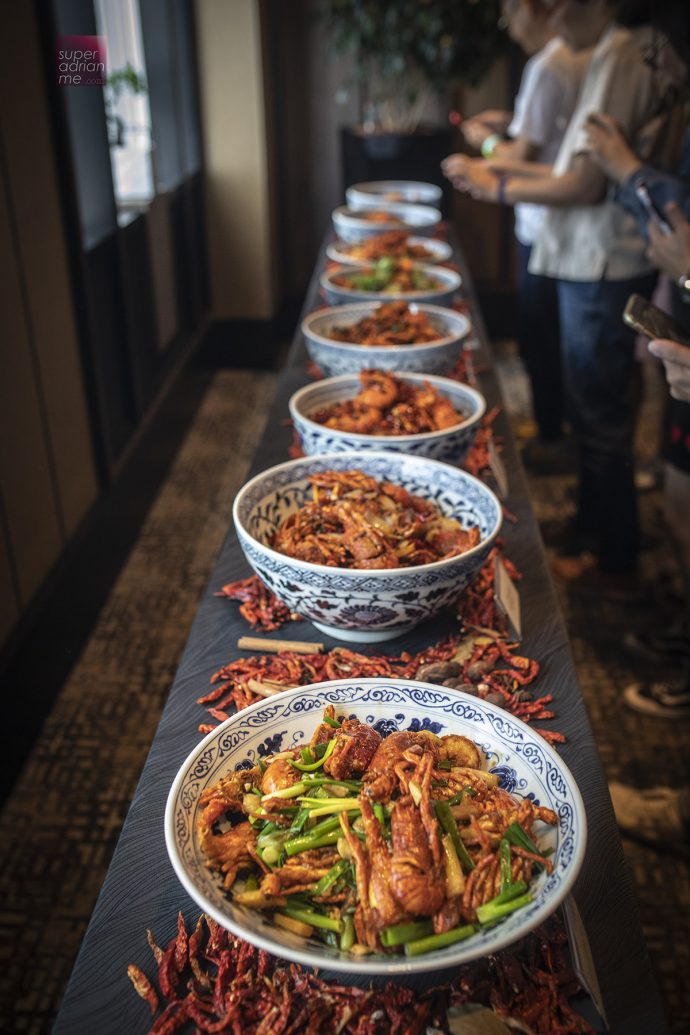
column 120, row 81
column 403, row 52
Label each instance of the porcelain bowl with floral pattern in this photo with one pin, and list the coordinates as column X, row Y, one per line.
column 447, row 284
column 525, row 764
column 364, row 605
column 355, row 226
column 382, row 193
column 439, row 251
column 449, row 444
column 342, row 357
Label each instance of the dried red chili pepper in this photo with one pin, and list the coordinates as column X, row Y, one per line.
column 143, row 986
column 181, row 943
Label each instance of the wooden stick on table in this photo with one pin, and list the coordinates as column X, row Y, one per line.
column 275, row 646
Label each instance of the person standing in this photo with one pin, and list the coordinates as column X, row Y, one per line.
column 533, row 132
column 592, row 248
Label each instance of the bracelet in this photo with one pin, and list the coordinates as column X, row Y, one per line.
column 501, row 188
column 489, row 145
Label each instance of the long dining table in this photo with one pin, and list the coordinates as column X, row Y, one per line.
column 141, row 890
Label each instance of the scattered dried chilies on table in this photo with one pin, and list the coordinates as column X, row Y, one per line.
column 220, row 983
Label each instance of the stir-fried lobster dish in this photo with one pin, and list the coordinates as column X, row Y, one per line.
column 388, row 405
column 355, row 521
column 395, row 244
column 387, row 845
column 394, row 276
column 392, row 324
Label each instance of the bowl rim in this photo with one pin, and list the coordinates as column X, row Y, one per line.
column 384, row 185
column 453, row 281
column 298, row 397
column 346, row 215
column 359, row 458
column 444, row 312
column 381, row 965
column 333, row 253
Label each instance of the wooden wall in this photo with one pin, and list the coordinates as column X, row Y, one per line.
column 47, row 472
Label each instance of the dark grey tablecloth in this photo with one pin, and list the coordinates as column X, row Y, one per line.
column 141, row 889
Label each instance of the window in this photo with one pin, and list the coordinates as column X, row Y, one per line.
column 127, row 106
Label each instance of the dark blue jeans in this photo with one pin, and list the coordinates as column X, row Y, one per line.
column 538, row 340
column 599, row 377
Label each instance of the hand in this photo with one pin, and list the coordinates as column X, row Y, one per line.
column 676, row 360
column 609, row 148
column 475, row 132
column 471, row 176
column 671, row 252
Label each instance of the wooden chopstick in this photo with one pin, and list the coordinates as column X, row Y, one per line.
column 275, row 646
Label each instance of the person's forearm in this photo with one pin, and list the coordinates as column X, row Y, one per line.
column 516, row 166
column 568, row 189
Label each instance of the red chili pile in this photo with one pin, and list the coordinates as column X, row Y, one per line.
column 491, row 668
column 215, row 982
column 258, row 605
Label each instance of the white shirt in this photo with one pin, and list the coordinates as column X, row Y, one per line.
column 588, row 242
column 543, row 106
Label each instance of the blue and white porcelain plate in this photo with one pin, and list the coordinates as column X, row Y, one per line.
column 440, row 251
column 364, row 604
column 448, row 283
column 382, row 193
column 341, row 357
column 526, row 764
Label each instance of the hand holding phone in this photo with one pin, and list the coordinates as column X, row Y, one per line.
column 653, row 322
column 653, row 211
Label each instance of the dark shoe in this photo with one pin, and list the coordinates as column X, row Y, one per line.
column 653, row 815
column 547, row 457
column 582, row 574
column 671, row 646
column 662, row 700
column 566, row 535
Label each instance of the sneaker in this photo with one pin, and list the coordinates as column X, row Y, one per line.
column 662, row 700
column 582, row 574
column 652, row 815
column 659, row 648
column 648, row 475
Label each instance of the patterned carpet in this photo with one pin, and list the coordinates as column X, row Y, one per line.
column 60, row 825
column 634, row 749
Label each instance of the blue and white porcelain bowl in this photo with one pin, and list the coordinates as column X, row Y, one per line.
column 364, row 606
column 450, row 444
column 440, row 251
column 382, row 193
column 352, row 226
column 448, row 281
column 341, row 357
column 524, row 762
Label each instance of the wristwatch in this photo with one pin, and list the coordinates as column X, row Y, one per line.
column 683, row 283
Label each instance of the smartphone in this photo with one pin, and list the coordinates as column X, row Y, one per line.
column 652, row 322
column 653, row 211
